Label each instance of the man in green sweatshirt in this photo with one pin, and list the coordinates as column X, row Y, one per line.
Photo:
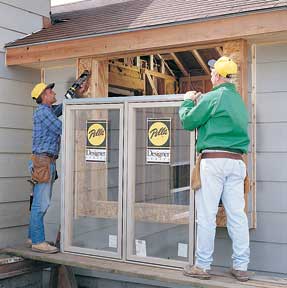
column 221, row 120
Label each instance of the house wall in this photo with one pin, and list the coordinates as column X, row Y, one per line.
column 269, row 240
column 17, row 19
column 83, row 5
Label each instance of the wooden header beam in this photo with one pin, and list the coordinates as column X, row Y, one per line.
column 156, row 41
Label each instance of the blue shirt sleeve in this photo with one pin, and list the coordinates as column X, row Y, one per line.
column 50, row 121
column 58, row 109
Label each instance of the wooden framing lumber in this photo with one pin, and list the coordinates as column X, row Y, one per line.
column 200, row 61
column 179, row 64
column 162, row 66
column 151, row 64
column 166, row 65
column 138, row 61
column 159, row 75
column 166, row 57
column 151, row 82
column 122, row 81
column 253, row 184
column 219, row 50
column 156, row 41
column 195, row 78
column 237, row 50
column 124, row 76
column 98, row 88
column 151, row 273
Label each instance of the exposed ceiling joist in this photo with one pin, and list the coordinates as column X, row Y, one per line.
column 200, row 61
column 166, row 57
column 219, row 50
column 179, row 65
column 166, row 65
column 151, row 82
column 151, row 64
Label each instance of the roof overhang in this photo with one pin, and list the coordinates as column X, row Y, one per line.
column 151, row 40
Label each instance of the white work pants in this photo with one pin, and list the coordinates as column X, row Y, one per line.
column 222, row 178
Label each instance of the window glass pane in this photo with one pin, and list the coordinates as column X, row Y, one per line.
column 162, row 194
column 96, row 179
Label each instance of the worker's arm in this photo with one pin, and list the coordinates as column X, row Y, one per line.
column 193, row 116
column 58, row 109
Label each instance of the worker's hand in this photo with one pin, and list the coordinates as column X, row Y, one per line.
column 192, row 95
column 83, row 88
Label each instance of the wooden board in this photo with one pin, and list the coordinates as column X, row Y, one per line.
column 156, row 40
column 20, row 267
column 135, row 270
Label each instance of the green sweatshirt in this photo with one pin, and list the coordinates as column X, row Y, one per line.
column 221, row 119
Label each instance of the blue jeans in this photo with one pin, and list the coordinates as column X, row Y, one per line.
column 222, row 178
column 42, row 194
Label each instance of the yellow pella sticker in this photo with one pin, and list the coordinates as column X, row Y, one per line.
column 96, row 143
column 158, row 133
column 158, row 140
column 96, row 134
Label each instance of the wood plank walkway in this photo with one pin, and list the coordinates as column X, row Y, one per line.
column 134, row 270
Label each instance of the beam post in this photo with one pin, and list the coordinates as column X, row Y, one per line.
column 237, row 51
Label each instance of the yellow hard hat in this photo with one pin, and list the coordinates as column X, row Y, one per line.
column 224, row 66
column 39, row 89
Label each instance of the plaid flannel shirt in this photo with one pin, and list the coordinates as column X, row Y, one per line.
column 47, row 129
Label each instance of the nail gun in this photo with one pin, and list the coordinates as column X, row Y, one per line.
column 72, row 91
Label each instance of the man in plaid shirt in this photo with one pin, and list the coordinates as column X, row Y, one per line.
column 47, row 130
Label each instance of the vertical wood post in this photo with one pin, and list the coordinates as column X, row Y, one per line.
column 97, row 175
column 237, row 51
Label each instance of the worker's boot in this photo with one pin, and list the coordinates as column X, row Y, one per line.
column 44, row 247
column 28, row 243
column 196, row 272
column 240, row 275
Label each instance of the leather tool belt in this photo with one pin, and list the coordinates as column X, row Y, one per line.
column 52, row 157
column 41, row 168
column 234, row 156
column 195, row 177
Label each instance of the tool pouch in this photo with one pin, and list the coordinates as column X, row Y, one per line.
column 195, row 176
column 41, row 168
column 246, row 184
